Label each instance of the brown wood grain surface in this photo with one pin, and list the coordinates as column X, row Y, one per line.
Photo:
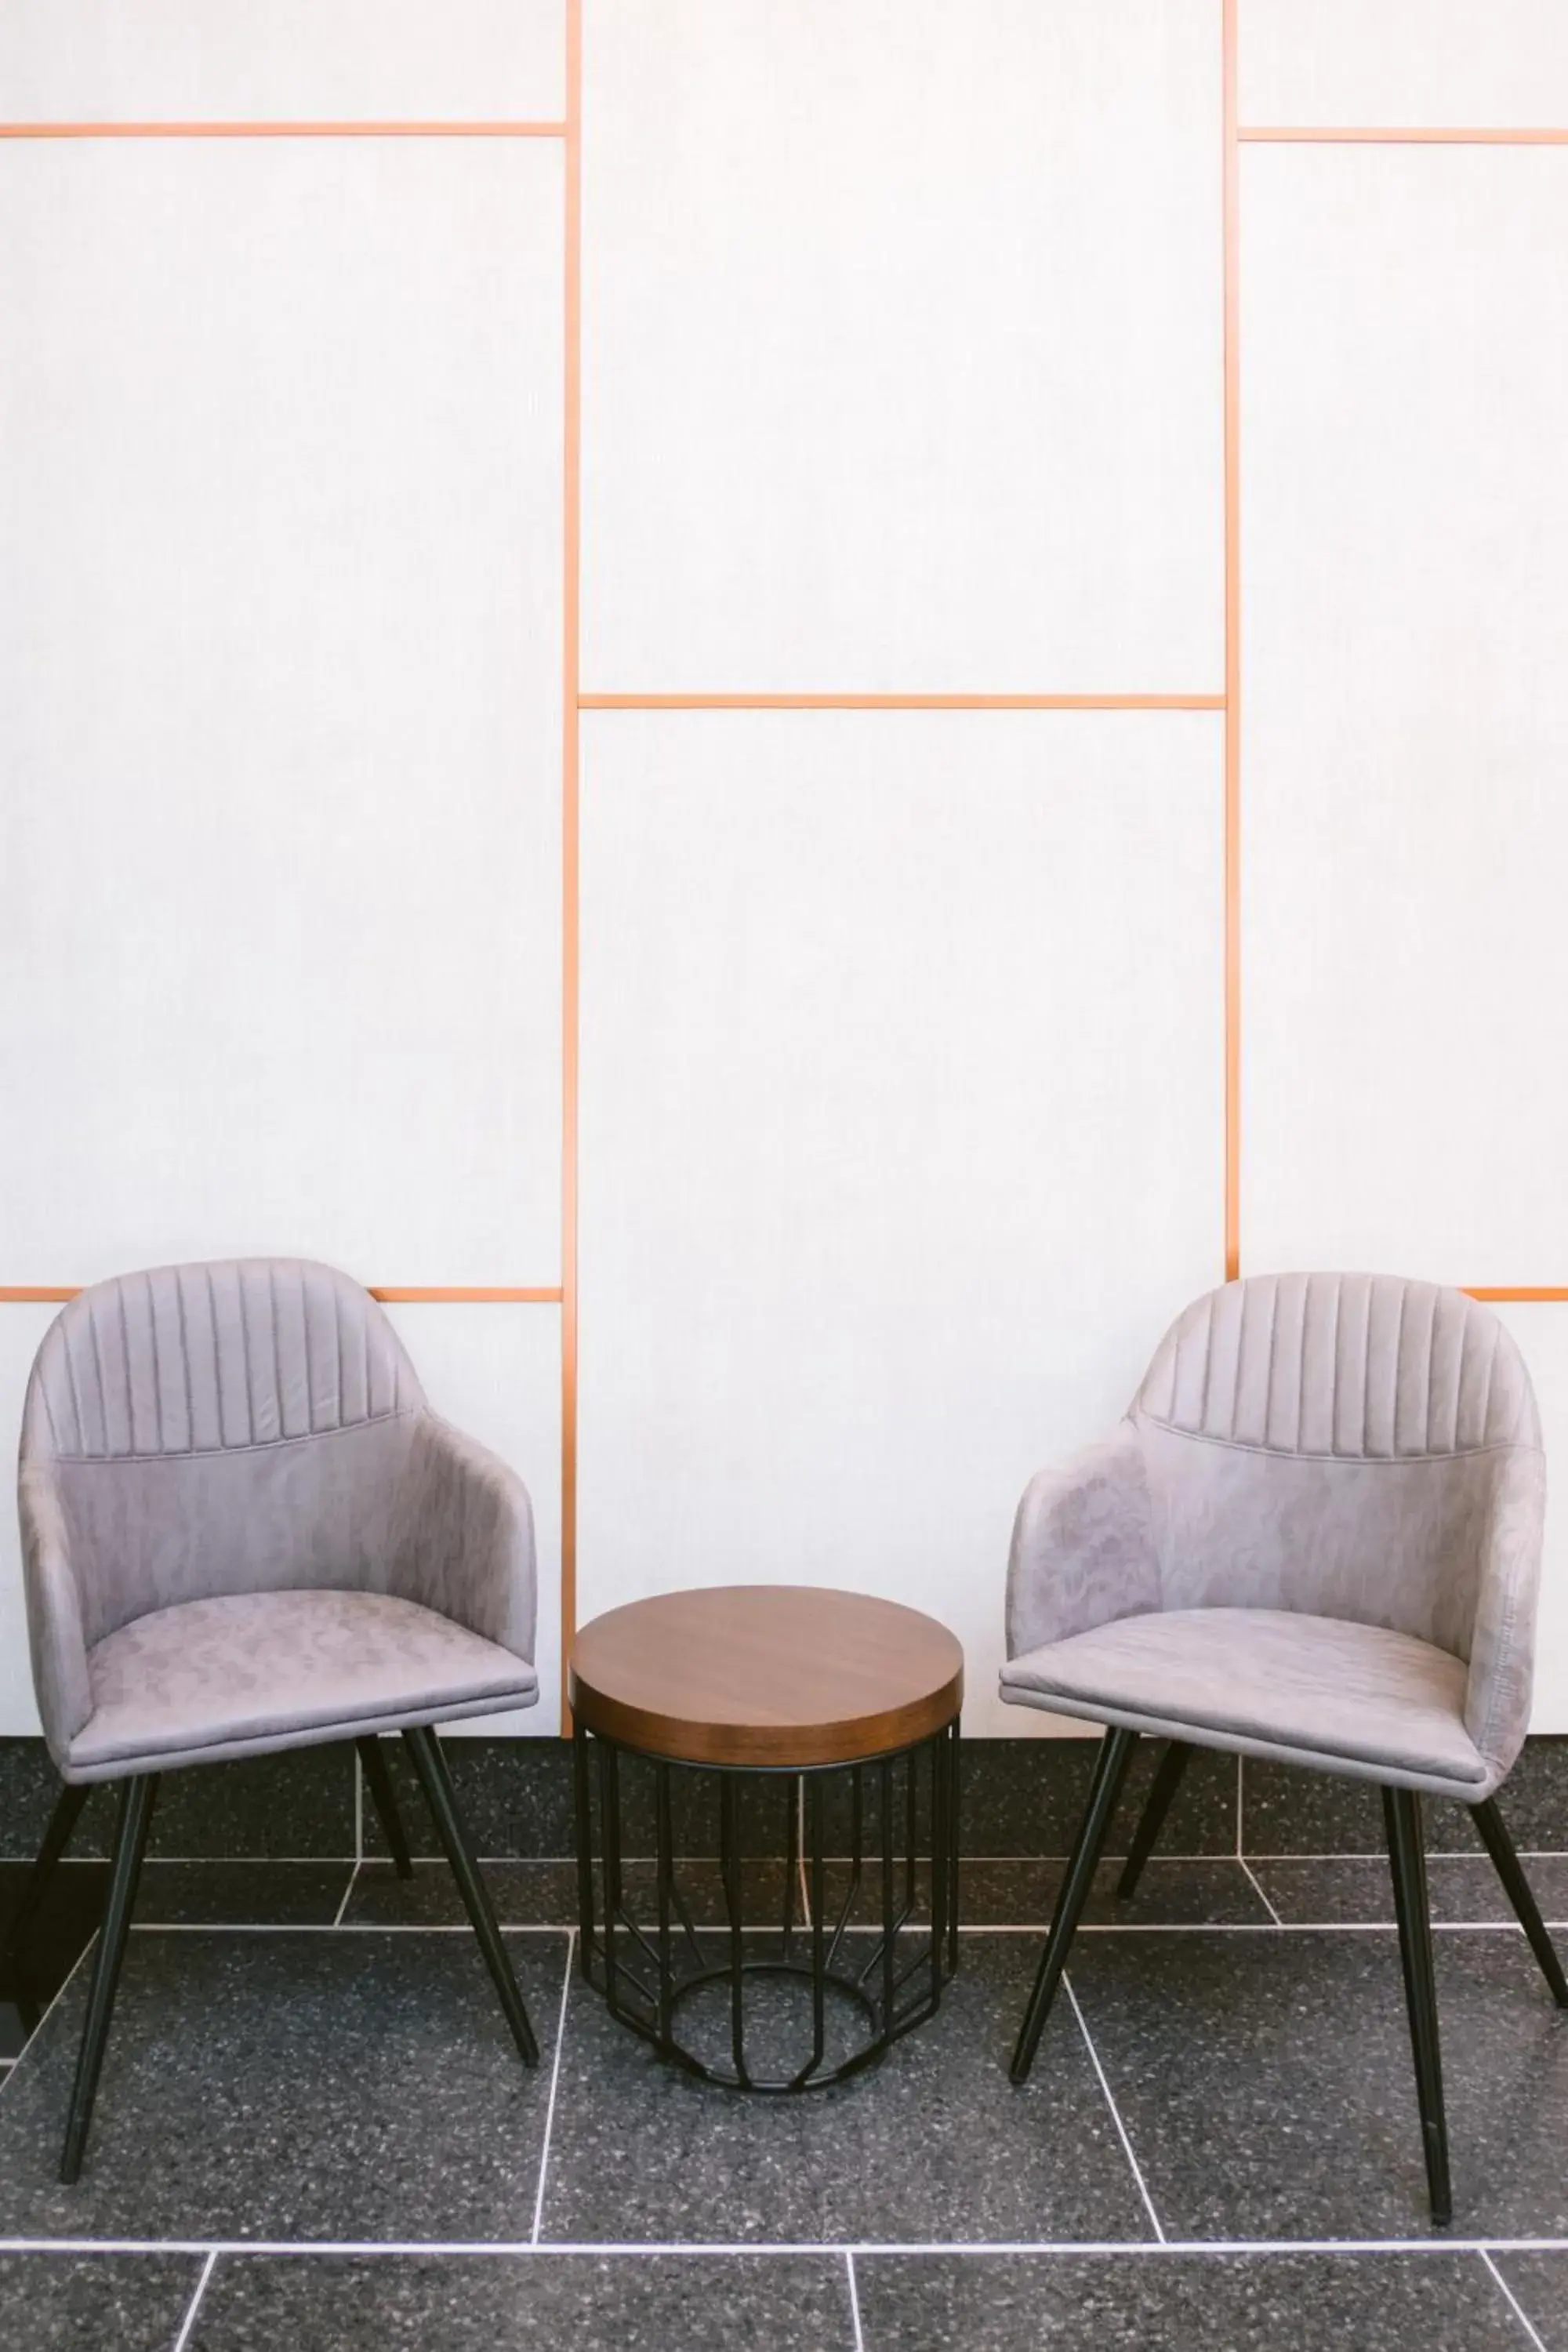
column 765, row 1674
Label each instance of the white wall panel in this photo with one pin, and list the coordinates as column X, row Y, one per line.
column 901, row 1133
column 1430, row 64
column 279, row 663
column 280, row 61
column 1404, row 572
column 495, row 1370
column 21, row 1328
column 902, row 350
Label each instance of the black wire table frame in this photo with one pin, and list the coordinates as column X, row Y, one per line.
column 647, row 1970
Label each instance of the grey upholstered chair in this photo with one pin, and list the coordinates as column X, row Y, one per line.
column 1316, row 1536
column 244, row 1530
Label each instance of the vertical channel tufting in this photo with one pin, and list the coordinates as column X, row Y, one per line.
column 1349, row 1366
column 201, row 1359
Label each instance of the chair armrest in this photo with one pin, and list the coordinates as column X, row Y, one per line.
column 1502, row 1641
column 54, row 1610
column 463, row 1537
column 1082, row 1550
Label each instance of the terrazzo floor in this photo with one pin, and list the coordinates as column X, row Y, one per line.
column 313, row 2133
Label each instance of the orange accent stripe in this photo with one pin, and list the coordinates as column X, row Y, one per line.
column 282, row 129
column 1524, row 1296
column 1232, row 240
column 1327, row 137
column 902, row 702
column 463, row 1296
column 570, row 579
column 26, row 1294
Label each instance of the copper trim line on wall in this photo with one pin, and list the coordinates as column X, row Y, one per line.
column 282, row 129
column 570, row 683
column 1230, row 213
column 447, row 1294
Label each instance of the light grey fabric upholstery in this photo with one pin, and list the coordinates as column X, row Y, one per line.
column 1356, row 1452
column 249, row 1433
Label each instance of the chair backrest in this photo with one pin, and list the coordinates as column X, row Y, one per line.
column 1333, row 1443
column 220, row 1428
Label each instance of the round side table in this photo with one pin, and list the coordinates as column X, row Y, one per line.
column 827, row 1716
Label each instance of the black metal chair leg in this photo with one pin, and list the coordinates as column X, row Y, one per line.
column 1115, row 1752
column 1494, row 1836
column 431, row 1766
column 1407, row 1859
column 136, row 1799
column 1167, row 1780
column 378, row 1780
column 56, row 1837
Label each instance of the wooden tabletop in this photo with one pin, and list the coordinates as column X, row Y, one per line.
column 763, row 1675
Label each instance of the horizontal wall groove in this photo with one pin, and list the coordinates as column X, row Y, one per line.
column 901, row 702
column 391, row 130
column 42, row 1294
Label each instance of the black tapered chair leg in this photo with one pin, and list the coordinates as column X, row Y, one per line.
column 1167, row 1780
column 136, row 1800
column 1111, row 1770
column 378, row 1780
column 1407, row 1861
column 431, row 1766
column 1494, row 1836
column 56, row 1837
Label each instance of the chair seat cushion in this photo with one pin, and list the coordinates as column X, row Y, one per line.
column 1349, row 1697
column 261, row 1670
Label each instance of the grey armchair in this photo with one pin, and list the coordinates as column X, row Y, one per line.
column 1316, row 1536
column 244, row 1530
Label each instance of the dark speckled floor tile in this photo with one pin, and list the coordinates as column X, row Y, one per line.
column 1358, row 1889
column 1176, row 2303
column 1287, row 1811
column 934, row 2143
column 1266, row 2086
column 1540, row 2285
column 1170, row 1894
column 94, row 2302
column 290, row 2086
column 515, row 1795
column 504, row 2303
column 544, row 1894
column 300, row 1802
column 1028, row 1797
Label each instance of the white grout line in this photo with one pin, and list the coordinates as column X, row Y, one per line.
column 1513, row 2302
column 348, row 1890
column 863, row 2249
column 1239, row 1800
column 1115, row 2111
column 37, row 2034
column 183, row 2338
column 358, row 1810
column 1258, row 1890
column 1274, row 1927
column 854, row 2299
column 554, row 2079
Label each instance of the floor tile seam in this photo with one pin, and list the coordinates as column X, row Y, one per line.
column 183, row 2338
column 347, row 1891
column 854, row 2300
column 862, row 2249
column 1514, row 2304
column 1122, row 2132
column 37, row 2035
column 648, row 1861
column 554, row 2082
column 1273, row 1927
column 1253, row 1882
